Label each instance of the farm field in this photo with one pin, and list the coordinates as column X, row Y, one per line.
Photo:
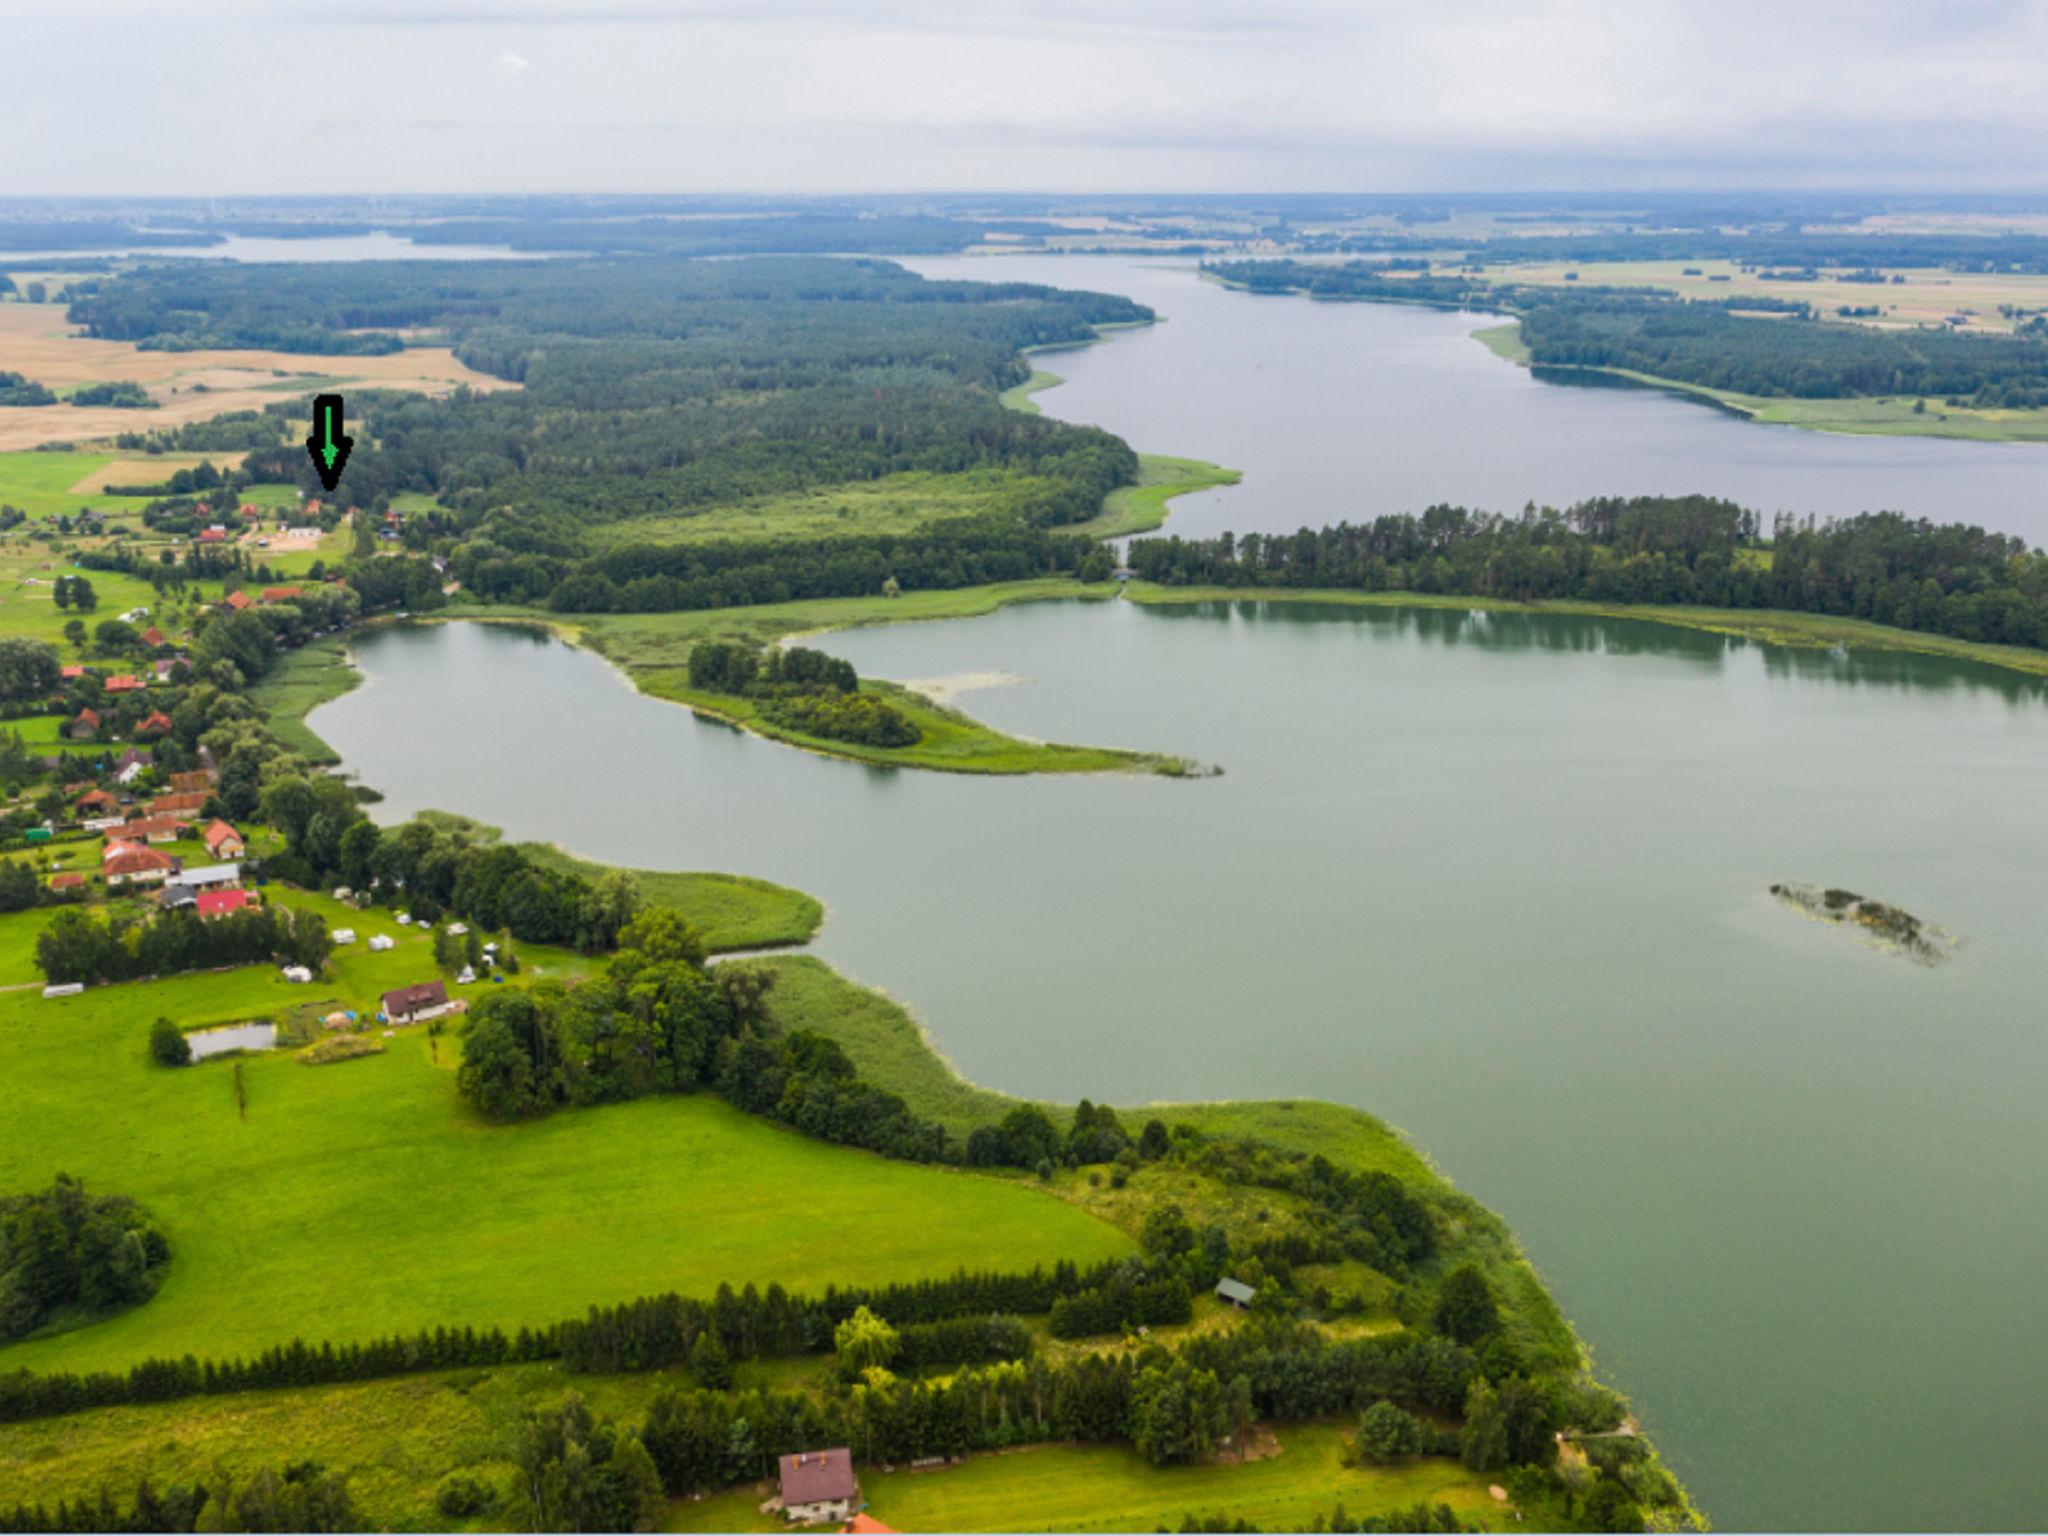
column 361, row 1198
column 37, row 340
column 1112, row 1488
column 894, row 504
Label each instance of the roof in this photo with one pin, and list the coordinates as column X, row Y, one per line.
column 156, row 720
column 70, row 672
column 184, row 800
column 152, row 636
column 1235, row 1290
column 194, row 780
column 69, row 880
column 212, row 535
column 95, row 797
column 209, row 874
column 426, row 994
column 240, row 600
column 814, row 1477
column 212, row 903
column 128, row 859
column 178, row 896
column 144, row 827
column 279, row 594
column 220, row 832
column 87, row 717
column 868, row 1525
column 123, row 682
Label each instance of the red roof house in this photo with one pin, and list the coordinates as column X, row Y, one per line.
column 220, row 903
column 68, row 673
column 147, row 829
column 279, row 594
column 240, row 600
column 95, row 799
column 179, row 804
column 123, row 682
column 153, row 637
column 223, row 841
column 126, row 863
column 70, row 880
column 213, row 535
column 84, row 727
column 155, row 723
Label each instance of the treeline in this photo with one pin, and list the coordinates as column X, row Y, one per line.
column 19, row 389
column 63, row 1250
column 1947, row 579
column 80, row 947
column 658, row 1021
column 801, row 690
column 300, row 1496
column 1704, row 342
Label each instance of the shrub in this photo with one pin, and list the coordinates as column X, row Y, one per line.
column 168, row 1046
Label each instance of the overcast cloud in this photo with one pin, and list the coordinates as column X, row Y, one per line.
column 226, row 96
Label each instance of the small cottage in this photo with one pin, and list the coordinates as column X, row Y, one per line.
column 223, row 841
column 818, row 1485
column 1235, row 1293
column 414, row 1004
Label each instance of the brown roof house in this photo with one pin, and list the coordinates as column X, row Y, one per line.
column 409, row 1005
column 819, row 1485
column 84, row 727
column 223, row 841
column 184, row 802
column 133, row 864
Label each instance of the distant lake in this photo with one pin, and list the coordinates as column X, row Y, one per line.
column 1501, row 879
column 378, row 245
column 1342, row 412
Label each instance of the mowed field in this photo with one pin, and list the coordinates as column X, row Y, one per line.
column 359, row 1198
column 37, row 340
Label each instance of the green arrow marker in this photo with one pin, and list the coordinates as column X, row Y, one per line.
column 328, row 446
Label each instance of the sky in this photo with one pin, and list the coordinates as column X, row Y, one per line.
column 218, row 97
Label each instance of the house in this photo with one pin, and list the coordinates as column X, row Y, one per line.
column 153, row 637
column 1235, row 1292
column 223, row 841
column 122, row 682
column 130, row 772
column 134, row 864
column 182, row 803
column 95, row 800
column 68, row 674
column 213, row 535
column 70, row 880
column 279, row 594
column 205, row 877
column 163, row 666
column 84, row 727
column 134, row 757
column 148, row 829
column 196, row 782
column 818, row 1485
column 240, row 600
column 409, row 1005
column 251, row 511
column 221, row 903
column 155, row 723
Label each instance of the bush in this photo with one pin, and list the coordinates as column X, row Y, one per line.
column 462, row 1496
column 168, row 1046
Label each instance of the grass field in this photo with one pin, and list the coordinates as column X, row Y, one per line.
column 1142, row 507
column 364, row 1197
column 734, row 912
column 895, row 504
column 41, row 484
column 300, row 682
column 1112, row 1488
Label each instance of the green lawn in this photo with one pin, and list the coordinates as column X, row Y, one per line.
column 363, row 1197
column 895, row 504
column 40, row 483
column 1112, row 1488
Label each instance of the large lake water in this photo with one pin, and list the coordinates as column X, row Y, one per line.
column 1348, row 411
column 1500, row 879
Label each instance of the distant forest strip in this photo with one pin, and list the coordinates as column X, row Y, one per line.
column 1704, row 342
column 1943, row 579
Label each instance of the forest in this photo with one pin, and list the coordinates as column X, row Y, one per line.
column 1944, row 579
column 1701, row 342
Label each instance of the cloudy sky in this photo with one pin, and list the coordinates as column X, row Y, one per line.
column 226, row 96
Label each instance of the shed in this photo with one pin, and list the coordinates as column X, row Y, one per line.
column 1235, row 1292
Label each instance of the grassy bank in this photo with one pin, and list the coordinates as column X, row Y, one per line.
column 299, row 683
column 1142, row 507
column 733, row 912
column 1765, row 626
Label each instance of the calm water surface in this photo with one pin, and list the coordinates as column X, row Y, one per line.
column 1348, row 411
column 1499, row 879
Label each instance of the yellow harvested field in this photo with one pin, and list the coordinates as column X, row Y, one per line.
column 151, row 470
column 36, row 340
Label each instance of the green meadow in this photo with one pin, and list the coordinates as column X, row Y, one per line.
column 894, row 504
column 364, row 1197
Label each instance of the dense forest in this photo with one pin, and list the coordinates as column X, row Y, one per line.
column 1705, row 342
column 1942, row 578
column 665, row 389
column 63, row 1250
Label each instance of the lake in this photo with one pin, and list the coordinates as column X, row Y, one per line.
column 1349, row 411
column 1501, row 879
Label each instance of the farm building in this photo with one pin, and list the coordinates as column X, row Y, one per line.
column 223, row 841
column 209, row 877
column 818, row 1485
column 1235, row 1292
column 410, row 1005
column 221, row 903
column 134, row 864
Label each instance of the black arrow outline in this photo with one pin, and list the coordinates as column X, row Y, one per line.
column 329, row 477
